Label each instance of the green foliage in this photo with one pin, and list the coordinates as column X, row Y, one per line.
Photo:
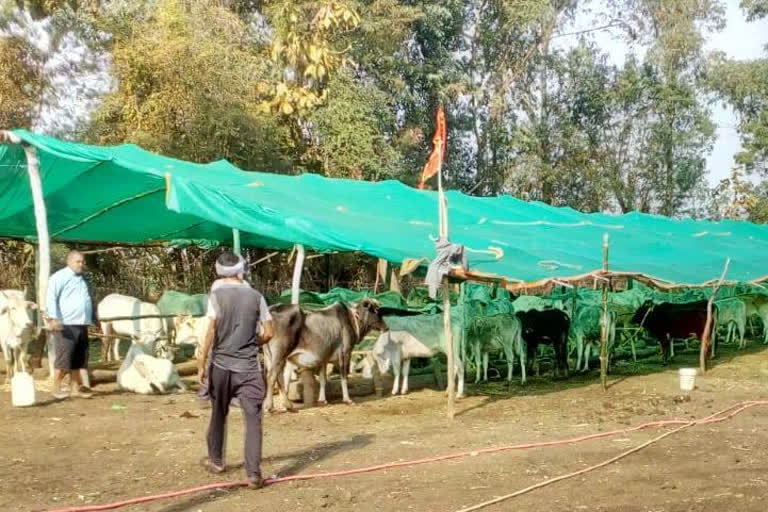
column 21, row 83
column 352, row 132
column 185, row 87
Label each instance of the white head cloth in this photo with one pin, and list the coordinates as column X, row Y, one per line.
column 235, row 270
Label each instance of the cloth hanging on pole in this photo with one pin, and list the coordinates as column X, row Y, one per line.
column 449, row 255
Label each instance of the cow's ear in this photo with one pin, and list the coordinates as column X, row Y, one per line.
column 3, row 310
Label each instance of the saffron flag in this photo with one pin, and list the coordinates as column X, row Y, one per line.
column 435, row 162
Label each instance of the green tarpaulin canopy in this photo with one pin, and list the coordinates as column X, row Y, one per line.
column 123, row 194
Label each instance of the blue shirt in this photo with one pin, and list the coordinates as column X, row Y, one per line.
column 68, row 298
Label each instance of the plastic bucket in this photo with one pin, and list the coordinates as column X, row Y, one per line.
column 22, row 390
column 687, row 378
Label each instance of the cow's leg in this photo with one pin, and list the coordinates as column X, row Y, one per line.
column 742, row 331
column 406, row 372
column 106, row 331
column 459, row 370
column 510, row 356
column 436, row 372
column 396, row 369
column 486, row 356
column 477, row 354
column 581, row 351
column 116, row 348
column 8, row 363
column 321, row 397
column 564, row 355
column 671, row 347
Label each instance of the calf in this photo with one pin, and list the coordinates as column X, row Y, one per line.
column 143, row 373
column 504, row 334
column 397, row 347
column 586, row 331
column 17, row 329
column 667, row 322
column 309, row 340
column 547, row 327
column 150, row 332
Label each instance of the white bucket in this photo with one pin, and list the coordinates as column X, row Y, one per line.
column 687, row 378
column 22, row 390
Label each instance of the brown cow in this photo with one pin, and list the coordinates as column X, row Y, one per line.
column 310, row 339
column 667, row 322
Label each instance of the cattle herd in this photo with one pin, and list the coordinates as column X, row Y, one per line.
column 312, row 340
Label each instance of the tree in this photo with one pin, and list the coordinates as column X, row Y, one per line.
column 186, row 80
column 21, row 83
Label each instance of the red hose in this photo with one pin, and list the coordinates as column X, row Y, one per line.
column 713, row 418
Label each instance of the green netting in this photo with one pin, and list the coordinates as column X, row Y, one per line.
column 177, row 303
column 119, row 194
column 390, row 299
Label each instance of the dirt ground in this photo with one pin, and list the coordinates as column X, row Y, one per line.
column 119, row 445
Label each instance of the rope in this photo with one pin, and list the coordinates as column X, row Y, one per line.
column 710, row 419
column 714, row 418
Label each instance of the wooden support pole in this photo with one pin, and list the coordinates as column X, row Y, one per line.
column 604, row 321
column 328, row 272
column 236, row 241
column 708, row 325
column 448, row 333
column 297, row 269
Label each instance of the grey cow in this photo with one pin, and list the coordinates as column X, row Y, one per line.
column 309, row 340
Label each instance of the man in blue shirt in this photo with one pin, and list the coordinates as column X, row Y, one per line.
column 70, row 312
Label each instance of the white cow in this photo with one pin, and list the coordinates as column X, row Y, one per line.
column 732, row 312
column 151, row 332
column 143, row 373
column 17, row 329
column 399, row 347
column 191, row 330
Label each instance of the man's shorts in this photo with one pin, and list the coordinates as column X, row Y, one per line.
column 71, row 347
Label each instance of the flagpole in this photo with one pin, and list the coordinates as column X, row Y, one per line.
column 447, row 327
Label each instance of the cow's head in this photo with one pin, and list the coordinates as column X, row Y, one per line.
column 17, row 311
column 187, row 330
column 368, row 316
column 155, row 344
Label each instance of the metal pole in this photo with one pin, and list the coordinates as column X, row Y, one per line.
column 604, row 321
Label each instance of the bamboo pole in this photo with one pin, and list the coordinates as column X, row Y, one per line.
column 297, row 269
column 604, row 321
column 448, row 332
column 708, row 327
column 236, row 241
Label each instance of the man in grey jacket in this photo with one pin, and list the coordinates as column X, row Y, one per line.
column 239, row 324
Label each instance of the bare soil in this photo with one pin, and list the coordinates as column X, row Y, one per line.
column 120, row 445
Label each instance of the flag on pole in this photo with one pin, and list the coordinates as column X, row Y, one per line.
column 435, row 162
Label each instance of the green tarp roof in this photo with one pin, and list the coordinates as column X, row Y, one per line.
column 118, row 194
